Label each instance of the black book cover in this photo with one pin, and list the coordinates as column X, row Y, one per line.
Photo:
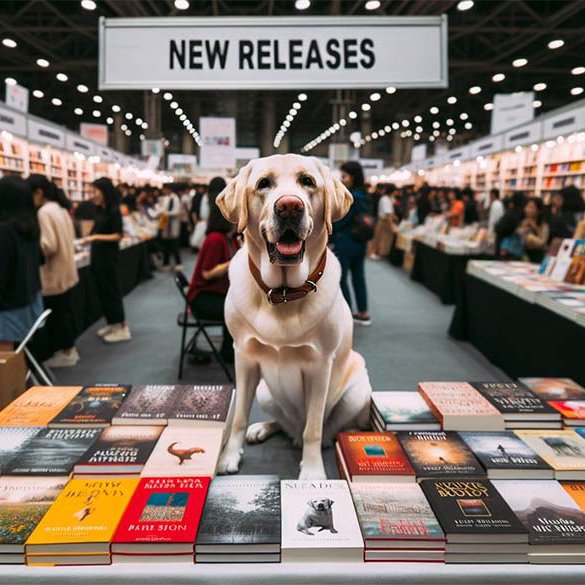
column 241, row 510
column 149, row 403
column 439, row 454
column 471, row 508
column 205, row 403
column 502, row 450
column 512, row 398
column 52, row 452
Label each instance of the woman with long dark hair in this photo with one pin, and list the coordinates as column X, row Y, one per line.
column 21, row 300
column 351, row 252
column 209, row 284
column 534, row 230
column 105, row 254
column 59, row 271
column 568, row 207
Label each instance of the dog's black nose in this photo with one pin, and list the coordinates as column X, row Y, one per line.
column 289, row 206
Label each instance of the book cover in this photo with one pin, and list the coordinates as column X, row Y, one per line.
column 439, row 454
column 209, row 403
column 319, row 522
column 52, row 452
column 121, row 446
column 549, row 513
column 570, row 409
column 37, row 406
column 185, row 451
column 472, row 508
column 378, row 454
column 555, row 388
column 12, row 440
column 576, row 489
column 23, row 502
column 94, row 406
column 562, row 450
column 163, row 510
column 86, row 512
column 503, row 450
column 148, row 404
column 512, row 398
column 403, row 408
column 241, row 510
column 395, row 511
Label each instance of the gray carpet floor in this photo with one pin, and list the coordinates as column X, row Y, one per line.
column 406, row 343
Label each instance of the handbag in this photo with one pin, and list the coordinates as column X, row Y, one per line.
column 362, row 227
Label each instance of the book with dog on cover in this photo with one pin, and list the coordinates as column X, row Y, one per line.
column 202, row 405
column 319, row 523
column 148, row 404
column 12, row 440
column 555, row 388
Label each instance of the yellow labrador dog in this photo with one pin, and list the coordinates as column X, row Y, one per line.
column 291, row 326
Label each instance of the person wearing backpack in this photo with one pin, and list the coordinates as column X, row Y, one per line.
column 350, row 238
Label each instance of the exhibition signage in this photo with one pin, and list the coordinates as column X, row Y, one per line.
column 511, row 110
column 17, row 97
column 12, row 122
column 419, row 152
column 96, row 132
column 45, row 133
column 76, row 144
column 273, row 52
column 218, row 136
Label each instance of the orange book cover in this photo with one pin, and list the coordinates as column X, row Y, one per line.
column 572, row 409
column 576, row 489
column 37, row 406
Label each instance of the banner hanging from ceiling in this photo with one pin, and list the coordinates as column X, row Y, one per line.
column 273, row 52
column 218, row 137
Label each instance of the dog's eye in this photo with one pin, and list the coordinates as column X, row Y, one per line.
column 307, row 181
column 264, row 183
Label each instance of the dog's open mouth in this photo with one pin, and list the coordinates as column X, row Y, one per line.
column 289, row 249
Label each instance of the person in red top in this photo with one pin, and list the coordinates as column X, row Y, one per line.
column 456, row 209
column 209, row 284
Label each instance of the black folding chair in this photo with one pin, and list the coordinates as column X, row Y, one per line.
column 187, row 320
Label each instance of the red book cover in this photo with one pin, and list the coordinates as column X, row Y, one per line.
column 374, row 454
column 570, row 409
column 163, row 510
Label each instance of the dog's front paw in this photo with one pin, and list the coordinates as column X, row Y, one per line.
column 229, row 462
column 260, row 431
column 312, row 471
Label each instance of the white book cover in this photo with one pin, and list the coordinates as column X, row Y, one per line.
column 319, row 522
column 185, row 452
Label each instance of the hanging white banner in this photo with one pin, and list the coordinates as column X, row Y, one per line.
column 273, row 52
column 219, row 142
column 511, row 109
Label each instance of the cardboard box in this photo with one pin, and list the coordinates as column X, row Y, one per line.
column 12, row 376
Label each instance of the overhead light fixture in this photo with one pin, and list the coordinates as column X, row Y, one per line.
column 78, row 111
column 302, row 4
column 124, row 127
column 62, row 77
column 498, row 77
column 372, row 5
column 449, row 122
column 145, row 125
column 302, row 97
column 10, row 81
column 556, row 44
column 352, row 115
column 179, row 111
column 390, row 90
column 168, row 96
column 82, row 88
column 449, row 138
column 128, row 133
column 366, row 107
column 10, row 43
column 452, row 100
column 434, row 110
column 116, row 108
column 374, row 97
column 42, row 63
column 395, row 126
column 418, row 119
column 539, row 87
column 536, row 104
column 138, row 121
column 183, row 117
column 56, row 102
column 96, row 113
column 463, row 116
column 475, row 90
column 436, row 124
column 38, row 93
column 468, row 125
column 128, row 116
column 181, row 4
column 488, row 107
column 343, row 122
column 576, row 91
column 173, row 105
column 88, row 4
column 419, row 129
column 519, row 62
column 464, row 5
column 98, row 99
column 109, row 120
column 578, row 70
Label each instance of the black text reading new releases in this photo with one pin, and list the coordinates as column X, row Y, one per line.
column 274, row 54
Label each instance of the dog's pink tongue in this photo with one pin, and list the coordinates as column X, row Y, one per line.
column 289, row 249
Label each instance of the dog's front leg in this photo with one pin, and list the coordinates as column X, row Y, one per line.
column 316, row 382
column 247, row 378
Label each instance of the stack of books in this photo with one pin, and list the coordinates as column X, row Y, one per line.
column 397, row 523
column 241, row 521
column 479, row 526
column 12, row 440
column 402, row 411
column 572, row 411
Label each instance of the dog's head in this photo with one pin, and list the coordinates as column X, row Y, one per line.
column 321, row 505
column 282, row 201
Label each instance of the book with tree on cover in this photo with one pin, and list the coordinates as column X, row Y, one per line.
column 460, row 407
column 373, row 457
column 12, row 440
column 147, row 405
column 402, row 411
column 555, row 388
column 572, row 411
column 37, row 406
column 93, row 407
column 52, row 452
column 207, row 405
column 119, row 450
column 162, row 517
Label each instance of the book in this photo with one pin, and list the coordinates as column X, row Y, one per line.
column 515, row 401
column 563, row 260
column 162, row 516
column 52, row 452
column 564, row 451
column 12, row 440
column 119, row 450
column 396, row 515
column 93, row 407
column 555, row 388
column 439, row 454
column 319, row 523
column 23, row 502
column 403, row 411
column 572, row 411
column 473, row 512
column 460, row 407
column 202, row 405
column 576, row 489
column 83, row 519
column 241, row 515
column 37, row 406
column 505, row 456
column 372, row 457
column 147, row 405
column 184, row 451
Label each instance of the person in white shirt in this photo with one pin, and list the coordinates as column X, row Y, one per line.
column 169, row 214
column 380, row 244
column 496, row 211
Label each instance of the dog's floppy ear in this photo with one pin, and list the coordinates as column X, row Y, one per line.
column 232, row 201
column 330, row 502
column 312, row 504
column 338, row 199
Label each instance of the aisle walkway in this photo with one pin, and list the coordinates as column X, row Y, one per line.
column 407, row 343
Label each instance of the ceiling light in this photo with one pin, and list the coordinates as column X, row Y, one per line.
column 465, row 5
column 138, row 121
column 62, row 77
column 292, row 112
column 342, row 122
column 436, row 124
column 296, row 106
column 390, row 90
column 116, row 108
column 395, row 125
column 168, row 96
column 128, row 116
column 38, row 93
column 142, row 137
column 179, row 111
column 128, row 133
column 449, row 122
column 98, row 99
column 474, row 90
column 417, row 136
column 366, row 107
column 519, row 62
column 498, row 77
column 536, row 104
column 181, row 4
column 144, row 125
column 88, row 4
column 352, row 115
column 302, row 97
column 452, row 100
column 302, row 4
column 434, row 110
column 289, row 118
column 387, row 129
column 10, row 43
column 578, row 70
column 372, row 5
column 436, row 133
column 42, row 63
column 82, row 88
column 56, row 102
column 556, row 44
column 405, row 123
column 468, row 125
column 418, row 119
column 375, row 135
column 488, row 107
column 78, row 111
column 577, row 91
column 419, row 129
column 183, row 117
column 539, row 87
column 463, row 116
column 96, row 113
column 173, row 105
column 124, row 127
column 10, row 81
column 375, row 97
column 109, row 120
column 155, row 90
column 431, row 138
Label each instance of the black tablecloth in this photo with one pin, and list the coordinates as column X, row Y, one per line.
column 521, row 338
column 396, row 256
column 440, row 272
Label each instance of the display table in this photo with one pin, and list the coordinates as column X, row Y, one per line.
column 296, row 574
